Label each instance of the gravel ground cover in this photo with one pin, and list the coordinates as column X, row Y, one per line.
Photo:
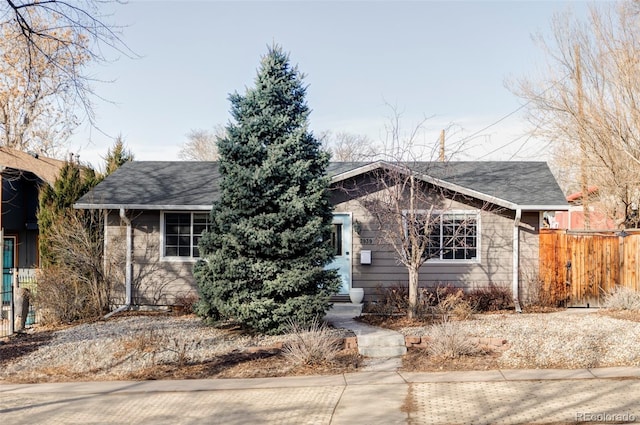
column 126, row 347
column 164, row 346
column 564, row 339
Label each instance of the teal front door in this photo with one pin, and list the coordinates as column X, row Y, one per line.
column 341, row 242
column 8, row 254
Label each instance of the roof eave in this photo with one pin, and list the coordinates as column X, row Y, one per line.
column 145, row 207
column 356, row 171
column 544, row 207
column 469, row 192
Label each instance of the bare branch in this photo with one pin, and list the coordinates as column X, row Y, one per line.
column 52, row 42
column 592, row 114
column 413, row 217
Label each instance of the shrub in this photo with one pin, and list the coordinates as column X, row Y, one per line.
column 185, row 303
column 311, row 345
column 62, row 299
column 447, row 301
column 391, row 300
column 454, row 305
column 447, row 341
column 622, row 298
column 492, row 298
column 433, row 296
column 541, row 295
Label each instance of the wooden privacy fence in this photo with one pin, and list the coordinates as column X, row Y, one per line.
column 579, row 268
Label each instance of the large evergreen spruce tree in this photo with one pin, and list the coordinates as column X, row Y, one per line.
column 266, row 251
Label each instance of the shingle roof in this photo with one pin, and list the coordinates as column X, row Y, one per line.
column 45, row 168
column 156, row 185
column 194, row 185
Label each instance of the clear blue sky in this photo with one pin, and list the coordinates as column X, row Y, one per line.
column 445, row 60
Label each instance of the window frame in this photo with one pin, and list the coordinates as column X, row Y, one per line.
column 441, row 214
column 163, row 236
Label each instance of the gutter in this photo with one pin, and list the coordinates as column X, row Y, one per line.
column 146, row 207
column 128, row 266
column 516, row 260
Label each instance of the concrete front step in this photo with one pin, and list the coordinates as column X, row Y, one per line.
column 381, row 343
column 381, row 339
column 376, row 351
column 347, row 309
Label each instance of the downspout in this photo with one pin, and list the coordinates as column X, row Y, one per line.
column 128, row 265
column 516, row 260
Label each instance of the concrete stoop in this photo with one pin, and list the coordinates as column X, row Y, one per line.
column 346, row 309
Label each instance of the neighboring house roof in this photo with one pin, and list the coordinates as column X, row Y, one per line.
column 577, row 197
column 45, row 168
column 172, row 185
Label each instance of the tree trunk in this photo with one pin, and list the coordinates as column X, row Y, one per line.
column 413, row 291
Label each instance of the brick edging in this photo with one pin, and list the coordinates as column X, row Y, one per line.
column 494, row 344
column 351, row 342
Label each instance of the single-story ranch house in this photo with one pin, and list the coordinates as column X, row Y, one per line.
column 157, row 210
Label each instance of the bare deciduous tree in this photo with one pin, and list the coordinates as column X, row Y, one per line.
column 348, row 147
column 412, row 213
column 45, row 48
column 202, row 145
column 587, row 103
column 77, row 285
column 36, row 103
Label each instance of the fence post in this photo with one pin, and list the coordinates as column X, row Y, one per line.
column 12, row 304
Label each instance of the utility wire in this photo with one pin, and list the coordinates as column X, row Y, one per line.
column 518, row 109
column 494, row 123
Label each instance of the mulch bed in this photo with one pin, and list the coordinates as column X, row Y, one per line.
column 21, row 344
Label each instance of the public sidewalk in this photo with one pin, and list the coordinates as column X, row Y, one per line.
column 382, row 395
column 482, row 397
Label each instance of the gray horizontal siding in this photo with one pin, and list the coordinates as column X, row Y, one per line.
column 495, row 267
column 160, row 282
column 155, row 282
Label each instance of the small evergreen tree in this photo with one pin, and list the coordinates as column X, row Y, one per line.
column 56, row 201
column 117, row 156
column 266, row 251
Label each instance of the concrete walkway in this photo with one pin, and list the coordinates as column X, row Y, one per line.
column 373, row 342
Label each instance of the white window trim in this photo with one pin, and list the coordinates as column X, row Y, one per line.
column 478, row 215
column 177, row 259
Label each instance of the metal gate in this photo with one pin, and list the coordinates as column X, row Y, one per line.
column 23, row 279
